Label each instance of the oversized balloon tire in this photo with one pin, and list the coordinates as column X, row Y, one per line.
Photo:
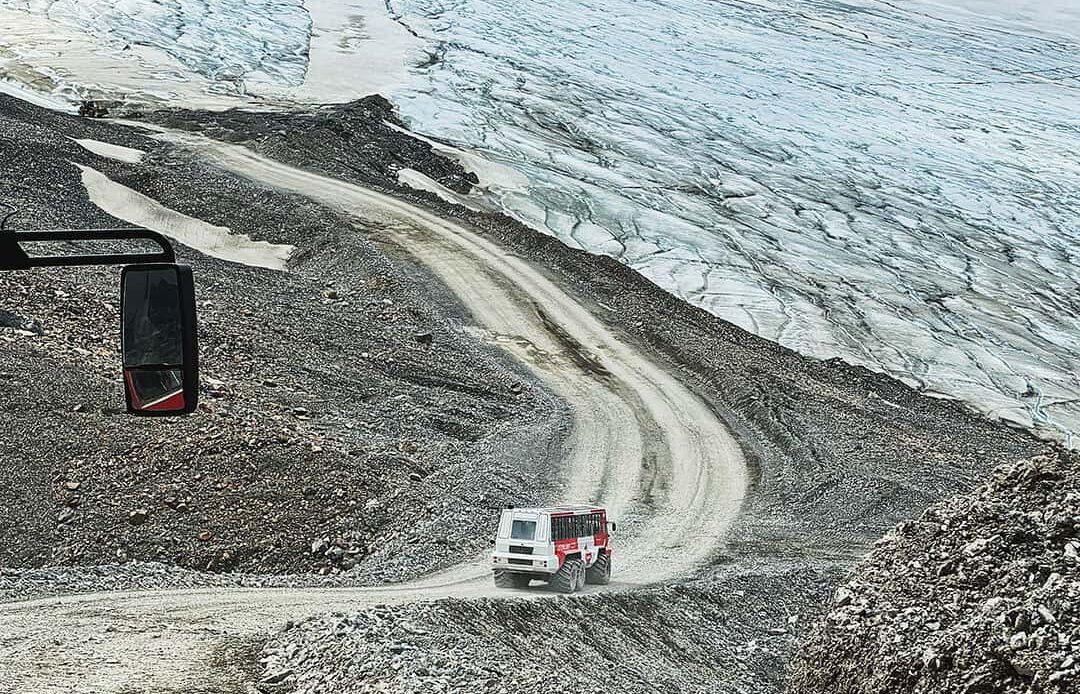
column 599, row 574
column 569, row 576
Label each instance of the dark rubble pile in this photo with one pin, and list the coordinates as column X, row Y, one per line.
column 979, row 595
column 730, row 633
column 361, row 139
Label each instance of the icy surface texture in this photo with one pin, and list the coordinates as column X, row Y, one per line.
column 894, row 184
column 232, row 42
column 897, row 184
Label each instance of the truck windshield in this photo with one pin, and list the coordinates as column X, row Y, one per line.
column 523, row 530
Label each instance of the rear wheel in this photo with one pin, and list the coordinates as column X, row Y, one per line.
column 600, row 572
column 509, row 579
column 569, row 576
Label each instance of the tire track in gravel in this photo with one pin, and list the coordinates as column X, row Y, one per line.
column 643, row 444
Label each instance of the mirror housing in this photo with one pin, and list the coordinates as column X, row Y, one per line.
column 612, row 526
column 159, row 339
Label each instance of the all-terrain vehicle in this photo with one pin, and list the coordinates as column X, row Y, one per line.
column 565, row 546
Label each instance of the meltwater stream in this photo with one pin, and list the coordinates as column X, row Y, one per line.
column 896, row 183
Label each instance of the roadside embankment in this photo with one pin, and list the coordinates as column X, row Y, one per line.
column 980, row 593
column 734, row 632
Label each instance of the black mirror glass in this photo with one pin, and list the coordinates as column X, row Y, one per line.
column 158, row 339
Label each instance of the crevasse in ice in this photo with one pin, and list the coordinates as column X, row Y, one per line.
column 894, row 184
column 229, row 41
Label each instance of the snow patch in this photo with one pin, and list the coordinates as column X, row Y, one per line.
column 492, row 175
column 218, row 242
column 419, row 181
column 128, row 155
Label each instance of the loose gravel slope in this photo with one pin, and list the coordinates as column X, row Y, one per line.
column 980, row 594
column 643, row 444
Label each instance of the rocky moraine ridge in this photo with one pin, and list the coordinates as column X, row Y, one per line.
column 980, row 593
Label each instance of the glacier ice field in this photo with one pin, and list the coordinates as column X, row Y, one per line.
column 895, row 184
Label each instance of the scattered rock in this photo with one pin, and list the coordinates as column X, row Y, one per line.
column 93, row 109
column 276, row 677
column 17, row 323
column 1013, row 593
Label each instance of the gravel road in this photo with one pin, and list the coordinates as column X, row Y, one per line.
column 643, row 444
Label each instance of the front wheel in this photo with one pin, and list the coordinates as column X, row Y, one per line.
column 599, row 573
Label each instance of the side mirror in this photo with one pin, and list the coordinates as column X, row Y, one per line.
column 611, row 527
column 158, row 339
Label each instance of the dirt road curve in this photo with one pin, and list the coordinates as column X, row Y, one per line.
column 643, row 445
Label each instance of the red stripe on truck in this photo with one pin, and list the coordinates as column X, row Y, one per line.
column 566, row 545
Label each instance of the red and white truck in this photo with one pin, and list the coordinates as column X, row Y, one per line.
column 565, row 546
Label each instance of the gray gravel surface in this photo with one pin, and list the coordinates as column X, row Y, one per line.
column 839, row 454
column 980, row 594
column 330, row 439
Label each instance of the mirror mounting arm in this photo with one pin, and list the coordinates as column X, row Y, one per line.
column 13, row 257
